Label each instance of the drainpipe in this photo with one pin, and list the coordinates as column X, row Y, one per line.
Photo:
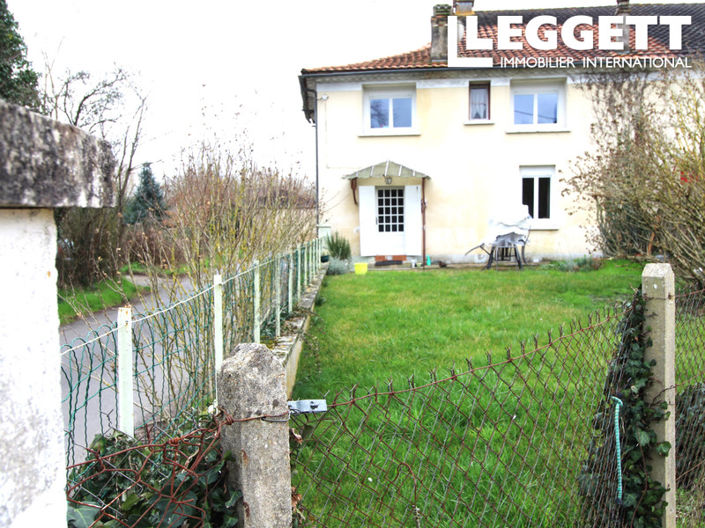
column 315, row 125
column 423, row 219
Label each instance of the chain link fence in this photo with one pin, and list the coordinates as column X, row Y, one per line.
column 532, row 439
column 501, row 443
column 690, row 408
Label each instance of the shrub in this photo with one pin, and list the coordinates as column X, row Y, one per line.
column 338, row 267
column 338, row 246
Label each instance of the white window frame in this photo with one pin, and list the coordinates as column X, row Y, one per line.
column 389, row 92
column 536, row 172
column 535, row 88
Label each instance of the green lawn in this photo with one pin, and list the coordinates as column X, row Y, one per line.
column 503, row 446
column 394, row 324
column 79, row 302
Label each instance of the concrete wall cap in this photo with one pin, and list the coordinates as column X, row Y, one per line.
column 47, row 164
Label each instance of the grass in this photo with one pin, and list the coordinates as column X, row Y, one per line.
column 394, row 324
column 138, row 268
column 494, row 448
column 78, row 302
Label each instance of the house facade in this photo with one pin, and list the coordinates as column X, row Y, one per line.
column 416, row 158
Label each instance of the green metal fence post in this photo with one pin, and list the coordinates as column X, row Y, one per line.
column 217, row 325
column 256, row 303
column 291, row 282
column 278, row 295
column 298, row 273
column 125, row 373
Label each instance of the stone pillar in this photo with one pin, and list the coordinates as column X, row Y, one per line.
column 43, row 165
column 659, row 290
column 252, row 383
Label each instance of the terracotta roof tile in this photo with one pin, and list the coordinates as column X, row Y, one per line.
column 693, row 39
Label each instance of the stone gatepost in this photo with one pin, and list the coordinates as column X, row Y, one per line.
column 252, row 387
column 43, row 165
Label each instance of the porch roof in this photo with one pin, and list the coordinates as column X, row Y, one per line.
column 386, row 169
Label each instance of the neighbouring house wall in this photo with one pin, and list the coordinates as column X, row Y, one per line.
column 473, row 167
column 31, row 453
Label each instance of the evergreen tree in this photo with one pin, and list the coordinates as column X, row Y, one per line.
column 18, row 81
column 148, row 201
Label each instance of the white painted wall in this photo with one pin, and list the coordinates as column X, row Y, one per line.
column 32, row 466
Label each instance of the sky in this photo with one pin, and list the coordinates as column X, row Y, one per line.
column 228, row 68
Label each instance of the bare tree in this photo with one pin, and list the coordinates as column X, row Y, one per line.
column 112, row 108
column 645, row 177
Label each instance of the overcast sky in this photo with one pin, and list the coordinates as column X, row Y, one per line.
column 237, row 59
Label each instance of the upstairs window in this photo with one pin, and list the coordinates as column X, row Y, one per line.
column 480, row 102
column 390, row 109
column 538, row 105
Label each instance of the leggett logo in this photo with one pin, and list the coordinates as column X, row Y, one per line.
column 612, row 34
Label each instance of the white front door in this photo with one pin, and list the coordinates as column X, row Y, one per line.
column 390, row 220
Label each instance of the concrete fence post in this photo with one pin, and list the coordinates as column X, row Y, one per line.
column 125, row 373
column 256, row 302
column 252, row 383
column 278, row 295
column 217, row 325
column 658, row 286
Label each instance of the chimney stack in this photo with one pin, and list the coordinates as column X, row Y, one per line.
column 624, row 10
column 463, row 7
column 439, row 32
column 623, row 7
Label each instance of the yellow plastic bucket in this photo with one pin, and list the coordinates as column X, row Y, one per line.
column 360, row 268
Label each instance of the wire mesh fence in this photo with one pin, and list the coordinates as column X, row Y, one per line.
column 88, row 379
column 690, row 407
column 173, row 369
column 508, row 443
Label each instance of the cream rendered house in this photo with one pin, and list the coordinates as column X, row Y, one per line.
column 416, row 158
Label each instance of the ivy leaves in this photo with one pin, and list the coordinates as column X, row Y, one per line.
column 172, row 484
column 629, row 377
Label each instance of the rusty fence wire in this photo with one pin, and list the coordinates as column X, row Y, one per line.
column 510, row 442
column 180, row 481
column 690, row 408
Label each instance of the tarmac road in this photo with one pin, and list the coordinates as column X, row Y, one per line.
column 86, row 368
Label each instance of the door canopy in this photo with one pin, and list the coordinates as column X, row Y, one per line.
column 386, row 170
